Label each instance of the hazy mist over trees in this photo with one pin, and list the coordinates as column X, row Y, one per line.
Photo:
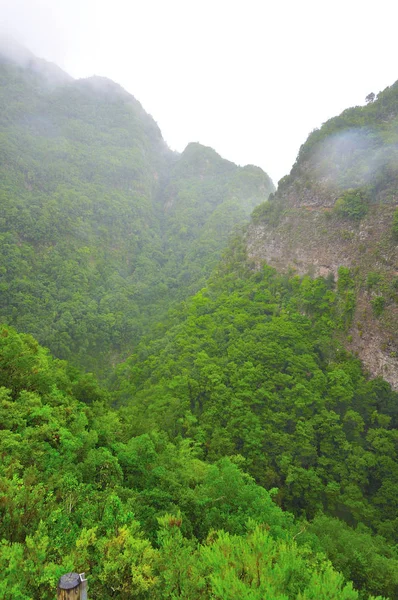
column 178, row 419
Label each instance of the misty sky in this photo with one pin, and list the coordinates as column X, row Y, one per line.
column 250, row 78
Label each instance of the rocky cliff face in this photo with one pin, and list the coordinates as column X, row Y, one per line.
column 336, row 209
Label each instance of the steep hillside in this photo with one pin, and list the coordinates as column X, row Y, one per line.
column 251, row 369
column 144, row 514
column 157, row 486
column 338, row 208
column 203, row 199
column 101, row 225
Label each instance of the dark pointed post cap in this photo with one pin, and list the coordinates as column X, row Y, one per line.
column 69, row 581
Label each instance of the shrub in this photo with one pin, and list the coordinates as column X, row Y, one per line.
column 395, row 224
column 268, row 212
column 352, row 204
column 373, row 279
column 378, row 305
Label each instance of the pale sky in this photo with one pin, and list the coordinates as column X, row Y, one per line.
column 249, row 78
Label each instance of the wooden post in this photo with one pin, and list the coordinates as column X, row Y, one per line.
column 72, row 586
column 83, row 587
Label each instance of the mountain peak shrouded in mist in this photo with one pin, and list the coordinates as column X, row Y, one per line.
column 221, row 378
column 198, row 158
column 13, row 52
column 336, row 210
column 138, row 225
column 105, row 87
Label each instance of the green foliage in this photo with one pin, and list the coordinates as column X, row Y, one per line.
column 102, row 226
column 371, row 119
column 251, row 369
column 346, row 299
column 361, row 557
column 395, row 224
column 352, row 204
column 243, row 389
column 259, row 567
column 145, row 515
column 345, row 280
column 269, row 212
column 352, row 157
column 378, row 305
column 373, row 279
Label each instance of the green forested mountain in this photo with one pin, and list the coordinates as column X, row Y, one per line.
column 144, row 514
column 102, row 226
column 338, row 207
column 203, row 199
column 252, row 369
column 241, row 450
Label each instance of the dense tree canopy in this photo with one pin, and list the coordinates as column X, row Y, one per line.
column 102, row 226
column 144, row 515
column 239, row 451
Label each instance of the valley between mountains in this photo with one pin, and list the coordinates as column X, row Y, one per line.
column 198, row 369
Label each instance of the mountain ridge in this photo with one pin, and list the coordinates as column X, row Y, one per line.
column 237, row 381
column 95, row 201
column 336, row 210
